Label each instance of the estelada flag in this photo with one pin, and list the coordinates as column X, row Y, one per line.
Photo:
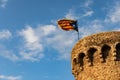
column 67, row 24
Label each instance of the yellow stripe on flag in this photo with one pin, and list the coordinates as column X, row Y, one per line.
column 67, row 24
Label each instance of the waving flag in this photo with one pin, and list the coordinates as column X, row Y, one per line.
column 67, row 24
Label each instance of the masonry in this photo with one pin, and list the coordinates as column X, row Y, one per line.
column 97, row 57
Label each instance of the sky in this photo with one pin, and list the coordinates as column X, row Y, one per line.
column 33, row 47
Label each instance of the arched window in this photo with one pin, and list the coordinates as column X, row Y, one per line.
column 118, row 52
column 74, row 61
column 80, row 59
column 90, row 54
column 105, row 52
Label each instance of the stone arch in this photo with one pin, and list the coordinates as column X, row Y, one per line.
column 117, row 52
column 105, row 52
column 90, row 55
column 80, row 59
column 74, row 61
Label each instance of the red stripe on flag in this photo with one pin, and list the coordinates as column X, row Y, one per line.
column 66, row 24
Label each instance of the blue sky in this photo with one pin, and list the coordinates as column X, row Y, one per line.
column 32, row 47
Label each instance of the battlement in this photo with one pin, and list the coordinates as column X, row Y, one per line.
column 97, row 57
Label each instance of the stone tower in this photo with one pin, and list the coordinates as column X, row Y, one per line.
column 97, row 57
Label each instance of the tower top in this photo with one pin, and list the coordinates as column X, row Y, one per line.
column 97, row 57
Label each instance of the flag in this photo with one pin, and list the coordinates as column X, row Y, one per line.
column 67, row 24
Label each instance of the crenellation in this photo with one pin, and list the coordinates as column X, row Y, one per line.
column 90, row 55
column 105, row 52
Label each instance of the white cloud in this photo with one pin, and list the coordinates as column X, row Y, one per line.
column 114, row 14
column 80, row 12
column 3, row 3
column 4, row 52
column 46, row 29
column 87, row 10
column 32, row 48
column 7, row 53
column 88, row 3
column 71, row 14
column 4, row 77
column 46, row 36
column 5, row 34
column 63, row 42
column 88, row 13
column 29, row 35
column 91, row 28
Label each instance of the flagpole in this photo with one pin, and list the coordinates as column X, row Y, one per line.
column 78, row 34
column 77, row 28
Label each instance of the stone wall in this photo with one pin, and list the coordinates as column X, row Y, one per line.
column 97, row 57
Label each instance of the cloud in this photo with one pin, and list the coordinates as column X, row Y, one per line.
column 61, row 41
column 32, row 48
column 29, row 35
column 88, row 3
column 46, row 36
column 88, row 13
column 114, row 14
column 91, row 28
column 3, row 3
column 79, row 12
column 7, row 53
column 111, row 21
column 4, row 52
column 57, row 39
column 5, row 34
column 87, row 10
column 71, row 14
column 4, row 77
